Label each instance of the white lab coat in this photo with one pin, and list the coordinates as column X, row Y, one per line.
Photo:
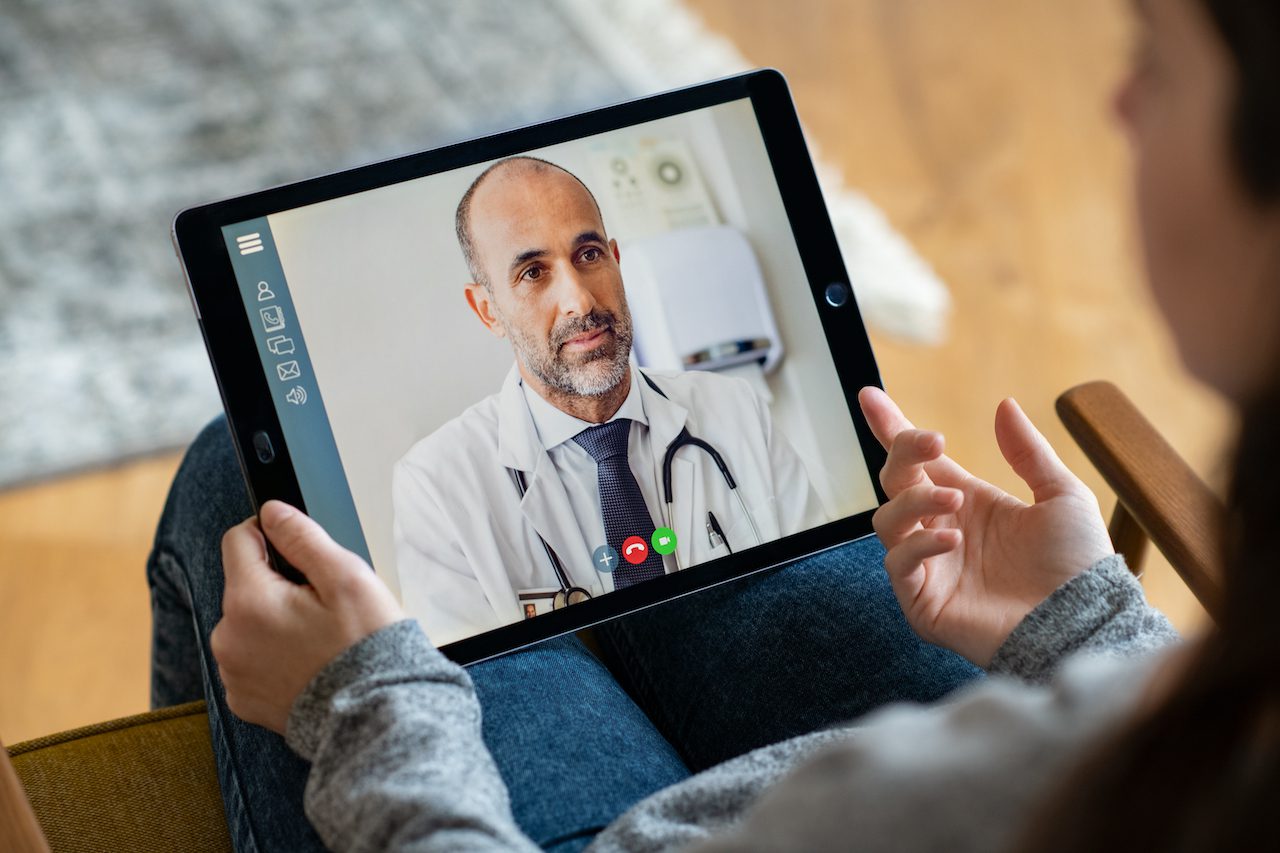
column 466, row 544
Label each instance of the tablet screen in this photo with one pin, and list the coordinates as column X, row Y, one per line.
column 537, row 380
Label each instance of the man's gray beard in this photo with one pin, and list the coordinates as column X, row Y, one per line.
column 589, row 379
column 583, row 381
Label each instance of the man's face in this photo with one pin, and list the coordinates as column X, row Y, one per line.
column 554, row 287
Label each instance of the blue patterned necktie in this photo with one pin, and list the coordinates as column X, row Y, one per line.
column 621, row 503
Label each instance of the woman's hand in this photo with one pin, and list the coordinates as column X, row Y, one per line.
column 968, row 561
column 275, row 636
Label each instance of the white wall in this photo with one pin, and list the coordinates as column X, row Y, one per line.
column 377, row 279
column 808, row 403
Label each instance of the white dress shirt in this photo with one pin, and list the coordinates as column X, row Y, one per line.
column 577, row 470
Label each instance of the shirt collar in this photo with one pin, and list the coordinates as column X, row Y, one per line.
column 555, row 427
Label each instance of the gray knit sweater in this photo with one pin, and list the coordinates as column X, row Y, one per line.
column 392, row 729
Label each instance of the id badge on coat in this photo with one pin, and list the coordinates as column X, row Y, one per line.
column 537, row 600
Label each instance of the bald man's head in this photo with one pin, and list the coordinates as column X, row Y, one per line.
column 512, row 168
column 545, row 276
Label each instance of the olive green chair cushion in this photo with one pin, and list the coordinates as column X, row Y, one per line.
column 142, row 783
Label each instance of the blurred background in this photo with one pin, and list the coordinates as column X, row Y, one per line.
column 977, row 180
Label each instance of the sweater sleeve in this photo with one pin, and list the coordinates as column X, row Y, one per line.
column 1100, row 612
column 965, row 775
column 392, row 731
column 954, row 776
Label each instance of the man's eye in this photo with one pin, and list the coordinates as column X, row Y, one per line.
column 591, row 255
column 533, row 273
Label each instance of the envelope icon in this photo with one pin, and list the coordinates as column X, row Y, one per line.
column 287, row 370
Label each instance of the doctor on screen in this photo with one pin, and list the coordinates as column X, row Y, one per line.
column 551, row 491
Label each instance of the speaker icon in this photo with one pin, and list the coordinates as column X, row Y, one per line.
column 297, row 395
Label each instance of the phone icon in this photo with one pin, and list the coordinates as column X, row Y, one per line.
column 272, row 318
column 634, row 550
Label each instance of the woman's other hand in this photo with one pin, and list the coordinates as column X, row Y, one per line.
column 967, row 560
column 275, row 635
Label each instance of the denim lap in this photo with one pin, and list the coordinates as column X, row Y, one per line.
column 573, row 748
column 693, row 682
column 786, row 652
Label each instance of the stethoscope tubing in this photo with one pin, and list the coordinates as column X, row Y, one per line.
column 684, row 439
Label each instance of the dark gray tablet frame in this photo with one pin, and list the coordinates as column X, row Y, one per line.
column 229, row 338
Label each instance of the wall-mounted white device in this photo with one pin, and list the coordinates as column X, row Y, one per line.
column 698, row 301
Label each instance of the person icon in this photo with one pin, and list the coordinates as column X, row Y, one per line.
column 265, row 293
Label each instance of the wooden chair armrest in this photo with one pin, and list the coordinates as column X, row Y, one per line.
column 1153, row 484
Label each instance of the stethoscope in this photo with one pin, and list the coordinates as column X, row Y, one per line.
column 570, row 594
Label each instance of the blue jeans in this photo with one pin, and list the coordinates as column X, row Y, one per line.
column 578, row 741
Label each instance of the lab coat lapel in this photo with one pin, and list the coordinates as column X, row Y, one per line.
column 546, row 503
column 666, row 419
column 546, row 506
column 518, row 445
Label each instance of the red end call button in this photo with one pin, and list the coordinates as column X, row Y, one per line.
column 634, row 550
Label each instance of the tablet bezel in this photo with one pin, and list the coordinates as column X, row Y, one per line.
column 228, row 335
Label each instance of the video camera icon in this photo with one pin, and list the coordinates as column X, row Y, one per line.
column 297, row 395
column 664, row 540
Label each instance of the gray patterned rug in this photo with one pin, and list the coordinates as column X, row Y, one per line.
column 114, row 114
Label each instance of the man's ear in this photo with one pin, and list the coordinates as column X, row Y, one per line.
column 481, row 302
column 617, row 256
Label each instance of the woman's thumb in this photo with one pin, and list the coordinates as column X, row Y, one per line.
column 1029, row 453
column 305, row 544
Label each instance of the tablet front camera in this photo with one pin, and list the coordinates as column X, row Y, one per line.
column 837, row 294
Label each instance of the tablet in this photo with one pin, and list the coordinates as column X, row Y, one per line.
column 551, row 376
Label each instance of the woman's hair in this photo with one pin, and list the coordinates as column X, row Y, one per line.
column 1201, row 770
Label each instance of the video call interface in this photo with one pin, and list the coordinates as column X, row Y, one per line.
column 531, row 382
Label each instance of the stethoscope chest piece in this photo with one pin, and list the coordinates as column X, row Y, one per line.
column 570, row 595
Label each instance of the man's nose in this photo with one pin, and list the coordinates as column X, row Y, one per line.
column 575, row 298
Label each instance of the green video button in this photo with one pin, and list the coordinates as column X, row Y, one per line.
column 664, row 540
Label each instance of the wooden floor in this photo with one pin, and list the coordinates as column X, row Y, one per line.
column 981, row 128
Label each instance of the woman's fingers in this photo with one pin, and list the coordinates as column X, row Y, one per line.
column 883, row 415
column 304, row 543
column 244, row 561
column 887, row 422
column 1029, row 453
column 905, row 561
column 897, row 519
column 911, row 450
